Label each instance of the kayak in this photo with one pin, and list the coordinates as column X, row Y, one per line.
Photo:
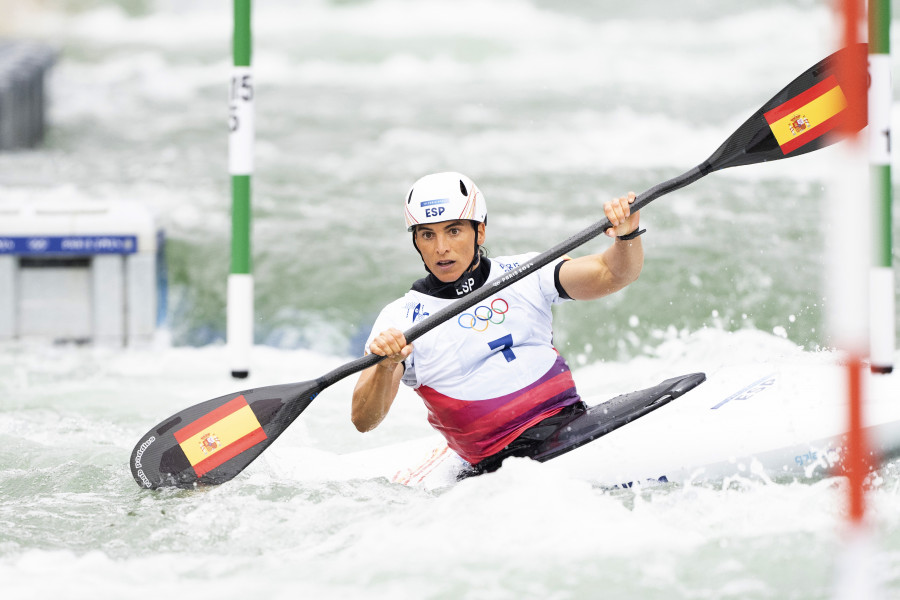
column 780, row 421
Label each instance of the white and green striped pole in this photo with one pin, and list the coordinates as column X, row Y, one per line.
column 881, row 284
column 240, row 162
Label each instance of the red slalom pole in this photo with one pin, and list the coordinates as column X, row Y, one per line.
column 856, row 464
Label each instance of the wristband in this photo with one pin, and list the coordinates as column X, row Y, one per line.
column 630, row 236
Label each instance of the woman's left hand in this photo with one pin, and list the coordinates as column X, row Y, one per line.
column 618, row 211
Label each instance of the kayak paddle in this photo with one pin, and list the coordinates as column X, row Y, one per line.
column 211, row 442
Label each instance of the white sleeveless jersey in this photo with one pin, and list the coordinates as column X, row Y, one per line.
column 491, row 372
column 494, row 348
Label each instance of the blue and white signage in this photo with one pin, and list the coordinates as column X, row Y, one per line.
column 69, row 244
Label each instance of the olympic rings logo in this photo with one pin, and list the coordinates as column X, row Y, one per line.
column 484, row 315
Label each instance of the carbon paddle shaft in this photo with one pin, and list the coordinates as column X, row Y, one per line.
column 753, row 142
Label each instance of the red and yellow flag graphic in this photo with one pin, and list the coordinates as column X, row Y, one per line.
column 808, row 115
column 220, row 435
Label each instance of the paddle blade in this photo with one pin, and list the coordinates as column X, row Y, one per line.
column 211, row 442
column 820, row 107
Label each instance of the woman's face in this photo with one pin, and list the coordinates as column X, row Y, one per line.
column 448, row 247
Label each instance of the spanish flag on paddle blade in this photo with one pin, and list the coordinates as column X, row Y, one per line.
column 808, row 115
column 220, row 435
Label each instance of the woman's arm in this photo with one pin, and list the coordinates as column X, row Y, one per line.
column 377, row 386
column 598, row 275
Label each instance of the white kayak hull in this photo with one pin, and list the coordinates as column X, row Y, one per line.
column 777, row 421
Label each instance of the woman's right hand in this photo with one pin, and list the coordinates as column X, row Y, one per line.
column 391, row 344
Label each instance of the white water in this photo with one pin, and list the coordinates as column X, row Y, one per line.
column 74, row 522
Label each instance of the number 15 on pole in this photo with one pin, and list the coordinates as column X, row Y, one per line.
column 239, row 329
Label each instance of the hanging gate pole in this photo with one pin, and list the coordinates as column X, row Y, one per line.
column 240, row 163
column 881, row 97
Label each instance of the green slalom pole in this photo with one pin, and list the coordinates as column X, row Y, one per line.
column 881, row 288
column 240, row 163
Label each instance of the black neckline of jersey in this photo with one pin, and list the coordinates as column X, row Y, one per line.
column 466, row 284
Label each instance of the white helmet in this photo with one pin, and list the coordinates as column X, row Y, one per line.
column 444, row 197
